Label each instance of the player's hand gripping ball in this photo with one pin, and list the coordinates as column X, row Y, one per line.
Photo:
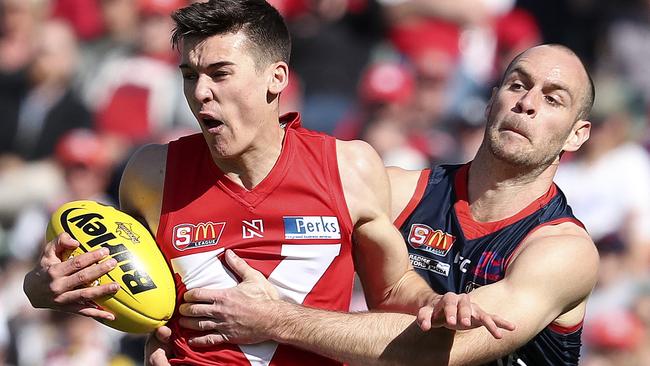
column 147, row 295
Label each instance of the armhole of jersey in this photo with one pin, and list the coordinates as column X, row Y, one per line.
column 548, row 223
column 415, row 199
column 559, row 329
column 170, row 163
column 336, row 190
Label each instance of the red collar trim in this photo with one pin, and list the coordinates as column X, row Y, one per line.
column 473, row 229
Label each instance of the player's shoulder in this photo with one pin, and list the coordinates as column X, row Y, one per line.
column 147, row 164
column 142, row 183
column 358, row 157
column 561, row 245
column 562, row 232
column 149, row 153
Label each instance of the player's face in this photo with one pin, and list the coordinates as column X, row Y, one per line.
column 225, row 91
column 532, row 116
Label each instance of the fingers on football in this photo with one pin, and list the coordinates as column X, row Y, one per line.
column 64, row 242
column 96, row 313
column 82, row 261
column 54, row 249
column 85, row 275
column 76, row 263
column 69, row 299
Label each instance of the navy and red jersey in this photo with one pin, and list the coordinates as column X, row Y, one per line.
column 294, row 227
column 455, row 253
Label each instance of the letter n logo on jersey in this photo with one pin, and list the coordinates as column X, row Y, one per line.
column 187, row 236
column 423, row 237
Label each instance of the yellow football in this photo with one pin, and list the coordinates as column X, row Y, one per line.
column 147, row 295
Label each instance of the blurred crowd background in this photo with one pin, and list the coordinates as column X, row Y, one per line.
column 85, row 82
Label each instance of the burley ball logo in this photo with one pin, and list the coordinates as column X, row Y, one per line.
column 187, row 236
column 423, row 237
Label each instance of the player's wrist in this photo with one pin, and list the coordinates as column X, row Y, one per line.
column 279, row 320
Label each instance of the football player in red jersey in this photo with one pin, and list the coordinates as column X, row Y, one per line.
column 236, row 176
column 541, row 280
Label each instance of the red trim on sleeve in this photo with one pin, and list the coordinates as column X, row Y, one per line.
column 415, row 199
column 564, row 330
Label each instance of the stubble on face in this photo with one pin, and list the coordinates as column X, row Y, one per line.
column 525, row 151
column 531, row 142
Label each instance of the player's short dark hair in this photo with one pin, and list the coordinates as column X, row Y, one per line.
column 257, row 19
column 590, row 93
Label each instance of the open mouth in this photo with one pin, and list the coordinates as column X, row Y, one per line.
column 210, row 122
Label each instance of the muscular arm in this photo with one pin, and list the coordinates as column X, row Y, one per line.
column 381, row 260
column 142, row 183
column 141, row 191
column 547, row 265
column 60, row 283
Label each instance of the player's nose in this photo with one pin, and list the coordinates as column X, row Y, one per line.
column 202, row 91
column 527, row 103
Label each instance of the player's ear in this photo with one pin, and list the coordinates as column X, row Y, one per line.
column 578, row 136
column 278, row 77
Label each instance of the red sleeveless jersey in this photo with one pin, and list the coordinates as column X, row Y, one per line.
column 294, row 227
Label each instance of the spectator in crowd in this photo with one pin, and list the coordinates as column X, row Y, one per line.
column 332, row 42
column 50, row 107
column 383, row 114
column 45, row 108
column 607, row 182
column 119, row 19
column 627, row 46
column 129, row 102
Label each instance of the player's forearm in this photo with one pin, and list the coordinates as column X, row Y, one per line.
column 408, row 295
column 359, row 338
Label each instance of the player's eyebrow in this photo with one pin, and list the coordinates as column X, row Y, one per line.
column 555, row 85
column 520, row 71
column 214, row 65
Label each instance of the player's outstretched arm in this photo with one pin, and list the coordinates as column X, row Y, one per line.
column 60, row 284
column 546, row 265
column 381, row 259
column 250, row 313
column 380, row 256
